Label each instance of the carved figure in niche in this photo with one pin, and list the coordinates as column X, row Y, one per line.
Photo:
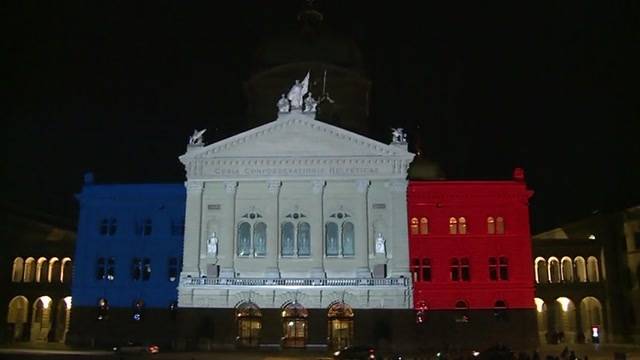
column 212, row 244
column 380, row 247
column 310, row 104
column 283, row 105
column 196, row 138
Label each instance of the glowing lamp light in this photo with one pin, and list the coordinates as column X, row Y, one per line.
column 290, row 323
column 592, row 237
column 45, row 302
column 564, row 302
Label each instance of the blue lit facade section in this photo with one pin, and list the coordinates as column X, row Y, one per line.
column 129, row 245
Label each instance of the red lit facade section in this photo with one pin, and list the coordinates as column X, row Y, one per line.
column 470, row 244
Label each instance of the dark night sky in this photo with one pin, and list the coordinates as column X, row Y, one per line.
column 117, row 88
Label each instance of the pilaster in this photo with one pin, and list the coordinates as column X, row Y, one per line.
column 398, row 241
column 317, row 240
column 362, row 230
column 193, row 215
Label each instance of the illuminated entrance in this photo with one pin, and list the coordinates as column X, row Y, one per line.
column 294, row 325
column 249, row 322
column 340, row 325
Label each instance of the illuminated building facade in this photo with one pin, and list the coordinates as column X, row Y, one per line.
column 36, row 273
column 587, row 280
column 469, row 249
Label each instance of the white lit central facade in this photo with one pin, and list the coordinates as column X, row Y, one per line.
column 299, row 211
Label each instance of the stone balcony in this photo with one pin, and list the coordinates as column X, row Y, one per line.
column 291, row 282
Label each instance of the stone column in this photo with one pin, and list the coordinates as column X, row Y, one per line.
column 397, row 244
column 226, row 247
column 317, row 229
column 362, row 230
column 192, row 222
column 272, row 269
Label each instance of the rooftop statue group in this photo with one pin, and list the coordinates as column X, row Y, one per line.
column 295, row 100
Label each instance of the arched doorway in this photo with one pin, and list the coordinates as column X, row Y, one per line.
column 65, row 270
column 18, row 316
column 294, row 325
column 541, row 317
column 591, row 316
column 29, row 269
column 340, row 323
column 41, row 270
column 54, row 270
column 249, row 324
column 41, row 319
column 565, row 320
column 63, row 316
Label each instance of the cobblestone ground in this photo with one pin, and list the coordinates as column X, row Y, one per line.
column 59, row 352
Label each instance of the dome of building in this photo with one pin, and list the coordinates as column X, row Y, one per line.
column 422, row 168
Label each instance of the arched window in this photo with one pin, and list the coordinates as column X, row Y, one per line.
column 581, row 269
column 340, row 324
column 462, row 225
column 29, row 269
column 491, row 225
column 414, row 226
column 252, row 236
column 103, row 309
column 500, row 310
column 54, row 269
column 593, row 275
column 41, row 270
column 554, row 270
column 18, row 269
column 424, row 226
column 453, row 226
column 462, row 311
column 499, row 225
column 542, row 276
column 567, row 269
column 41, row 319
column 65, row 274
column 339, row 235
column 249, row 324
column 295, row 240
column 304, row 239
column 294, row 325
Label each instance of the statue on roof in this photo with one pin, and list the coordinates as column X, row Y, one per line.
column 398, row 136
column 310, row 103
column 196, row 138
column 283, row 105
column 297, row 93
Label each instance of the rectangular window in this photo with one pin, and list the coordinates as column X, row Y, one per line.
column 177, row 227
column 415, row 270
column 426, row 270
column 100, row 271
column 136, row 268
column 173, row 269
column 146, row 269
column 111, row 269
column 493, row 269
column 504, row 268
column 147, row 227
column 465, row 271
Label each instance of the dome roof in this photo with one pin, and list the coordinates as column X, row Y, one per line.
column 422, row 168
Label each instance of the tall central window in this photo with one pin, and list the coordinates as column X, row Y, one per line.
column 339, row 235
column 252, row 235
column 295, row 236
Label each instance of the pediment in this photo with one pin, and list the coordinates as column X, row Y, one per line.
column 295, row 135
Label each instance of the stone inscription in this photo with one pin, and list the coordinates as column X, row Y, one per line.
column 283, row 171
